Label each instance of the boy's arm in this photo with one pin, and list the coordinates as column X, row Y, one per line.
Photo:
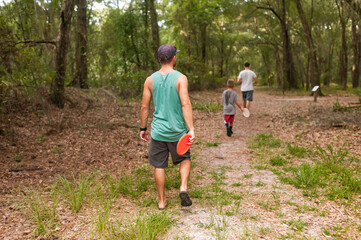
column 239, row 105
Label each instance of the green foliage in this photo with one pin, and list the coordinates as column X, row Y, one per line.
column 296, row 150
column 278, row 161
column 41, row 208
column 74, row 192
column 147, row 226
column 265, row 140
column 207, row 106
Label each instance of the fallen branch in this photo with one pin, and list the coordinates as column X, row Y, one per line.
column 25, row 169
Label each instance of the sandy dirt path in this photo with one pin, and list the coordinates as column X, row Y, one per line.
column 268, row 208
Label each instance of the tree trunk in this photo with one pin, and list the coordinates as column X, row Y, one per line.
column 222, row 57
column 81, row 72
column 356, row 51
column 279, row 72
column 57, row 87
column 288, row 66
column 204, row 41
column 315, row 77
column 155, row 27
column 343, row 50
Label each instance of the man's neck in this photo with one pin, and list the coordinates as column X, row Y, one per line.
column 246, row 68
column 166, row 68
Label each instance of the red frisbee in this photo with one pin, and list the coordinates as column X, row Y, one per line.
column 183, row 144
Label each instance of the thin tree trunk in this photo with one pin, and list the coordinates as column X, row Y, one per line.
column 204, row 42
column 356, row 52
column 146, row 34
column 222, row 57
column 343, row 50
column 315, row 78
column 279, row 72
column 154, row 24
column 62, row 42
column 81, row 72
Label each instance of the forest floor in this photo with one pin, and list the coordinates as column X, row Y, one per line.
column 290, row 171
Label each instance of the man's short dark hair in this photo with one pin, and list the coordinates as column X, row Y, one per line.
column 246, row 64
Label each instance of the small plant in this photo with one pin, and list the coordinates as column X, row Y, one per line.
column 75, row 192
column 338, row 108
column 58, row 150
column 265, row 140
column 296, row 150
column 18, row 158
column 297, row 225
column 236, row 185
column 278, row 161
column 260, row 184
column 41, row 210
column 247, row 175
column 213, row 144
column 147, row 226
column 40, row 138
column 264, row 230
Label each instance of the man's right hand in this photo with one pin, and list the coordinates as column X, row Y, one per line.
column 144, row 135
column 192, row 139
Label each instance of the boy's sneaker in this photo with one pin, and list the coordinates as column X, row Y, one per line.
column 229, row 132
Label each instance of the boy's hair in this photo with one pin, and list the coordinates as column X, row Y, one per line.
column 230, row 83
column 246, row 64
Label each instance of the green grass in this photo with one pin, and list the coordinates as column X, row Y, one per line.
column 329, row 171
column 297, row 225
column 278, row 161
column 296, row 150
column 212, row 144
column 41, row 209
column 265, row 140
column 75, row 191
column 146, row 226
column 207, row 106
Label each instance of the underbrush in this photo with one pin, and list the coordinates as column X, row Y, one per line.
column 330, row 172
column 80, row 195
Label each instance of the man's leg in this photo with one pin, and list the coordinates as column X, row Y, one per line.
column 184, row 171
column 159, row 176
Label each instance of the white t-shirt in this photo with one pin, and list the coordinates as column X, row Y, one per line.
column 247, row 77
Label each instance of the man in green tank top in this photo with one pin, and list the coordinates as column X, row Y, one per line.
column 172, row 118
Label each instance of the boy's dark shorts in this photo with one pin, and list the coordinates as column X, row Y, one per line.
column 247, row 96
column 159, row 153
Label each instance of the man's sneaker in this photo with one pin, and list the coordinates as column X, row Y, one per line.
column 185, row 199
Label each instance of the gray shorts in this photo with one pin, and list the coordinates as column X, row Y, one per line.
column 247, row 95
column 159, row 153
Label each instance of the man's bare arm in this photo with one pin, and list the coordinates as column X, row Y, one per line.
column 255, row 80
column 182, row 86
column 147, row 94
column 239, row 80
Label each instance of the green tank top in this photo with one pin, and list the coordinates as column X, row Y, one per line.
column 168, row 124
